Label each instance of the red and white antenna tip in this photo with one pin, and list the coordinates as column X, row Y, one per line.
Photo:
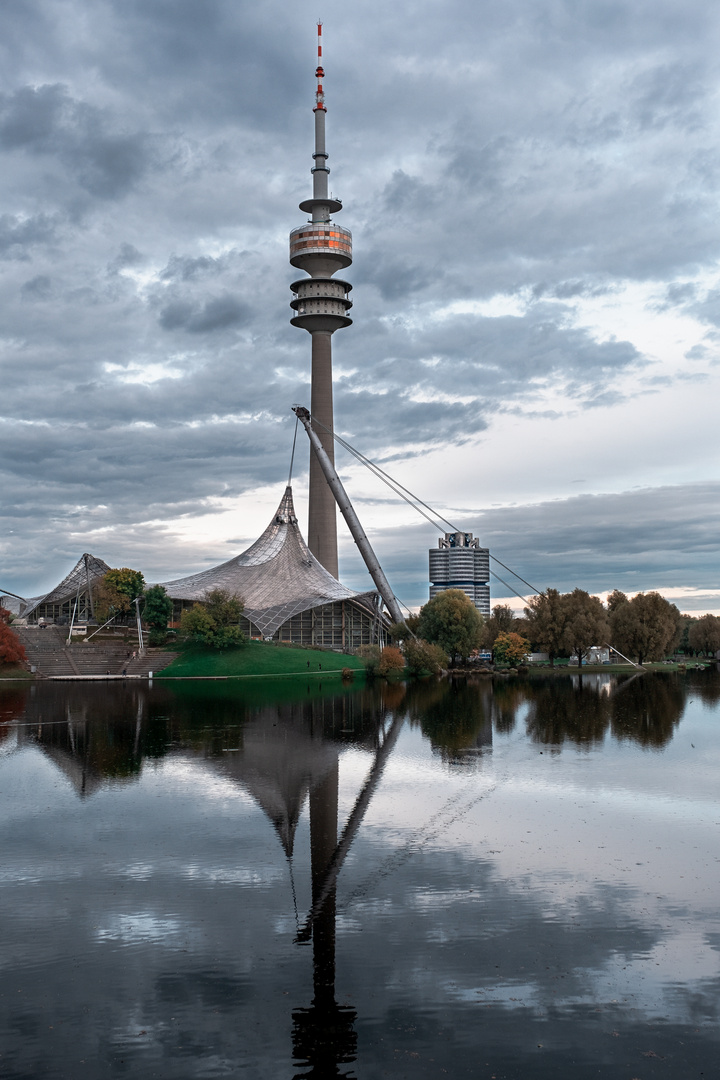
column 319, row 95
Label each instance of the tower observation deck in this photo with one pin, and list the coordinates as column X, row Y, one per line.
column 321, row 248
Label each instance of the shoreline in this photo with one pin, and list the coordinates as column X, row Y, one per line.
column 504, row 673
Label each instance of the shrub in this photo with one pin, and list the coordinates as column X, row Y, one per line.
column 510, row 649
column 421, row 656
column 214, row 622
column 391, row 659
column 11, row 647
column 370, row 656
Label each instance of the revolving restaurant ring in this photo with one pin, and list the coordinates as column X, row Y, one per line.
column 321, row 238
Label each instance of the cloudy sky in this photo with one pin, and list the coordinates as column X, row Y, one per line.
column 532, row 189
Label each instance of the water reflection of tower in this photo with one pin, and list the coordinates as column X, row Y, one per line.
column 290, row 753
column 321, row 248
column 324, row 1035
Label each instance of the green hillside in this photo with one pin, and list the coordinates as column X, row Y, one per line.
column 258, row 658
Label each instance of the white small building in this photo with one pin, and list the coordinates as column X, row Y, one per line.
column 597, row 654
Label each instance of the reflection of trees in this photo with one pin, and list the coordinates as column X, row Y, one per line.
column 643, row 708
column 455, row 715
column 648, row 709
column 706, row 686
column 12, row 706
column 507, row 699
column 559, row 711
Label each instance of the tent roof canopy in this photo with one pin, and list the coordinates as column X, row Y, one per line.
column 87, row 570
column 276, row 577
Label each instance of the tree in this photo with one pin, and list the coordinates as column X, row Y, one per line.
column 224, row 607
column 615, row 599
column 115, row 592
column 547, row 617
column 404, row 630
column 12, row 650
column 156, row 612
column 502, row 621
column 587, row 623
column 129, row 583
column 215, row 621
column 686, row 621
column 452, row 621
column 391, row 659
column 704, row 635
column 108, row 601
column 646, row 626
column 423, row 658
column 197, row 624
column 510, row 649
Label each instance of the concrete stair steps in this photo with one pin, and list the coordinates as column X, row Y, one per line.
column 154, row 661
column 47, row 651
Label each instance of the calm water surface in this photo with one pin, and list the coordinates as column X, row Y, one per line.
column 431, row 881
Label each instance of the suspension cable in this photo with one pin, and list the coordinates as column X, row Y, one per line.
column 292, row 456
column 507, row 586
column 515, row 574
column 395, row 485
column 416, row 502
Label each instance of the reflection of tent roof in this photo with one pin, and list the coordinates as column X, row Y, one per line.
column 88, row 569
column 277, row 577
column 85, row 778
column 279, row 763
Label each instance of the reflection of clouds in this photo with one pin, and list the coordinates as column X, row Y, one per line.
column 511, row 945
column 669, row 981
column 37, row 874
column 647, row 804
column 194, row 775
column 222, row 875
column 143, row 927
column 139, row 871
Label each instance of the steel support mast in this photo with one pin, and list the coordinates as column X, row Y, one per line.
column 353, row 523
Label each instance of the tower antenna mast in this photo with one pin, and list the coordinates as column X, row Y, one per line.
column 320, row 74
column 320, row 305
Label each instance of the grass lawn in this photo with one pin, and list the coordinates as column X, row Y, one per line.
column 258, row 658
column 614, row 669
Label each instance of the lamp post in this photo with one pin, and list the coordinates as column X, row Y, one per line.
column 141, row 646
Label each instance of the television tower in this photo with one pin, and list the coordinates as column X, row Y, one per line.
column 321, row 303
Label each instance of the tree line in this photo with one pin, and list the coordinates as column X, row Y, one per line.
column 447, row 629
column 645, row 628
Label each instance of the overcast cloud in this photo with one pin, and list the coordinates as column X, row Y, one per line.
column 532, row 189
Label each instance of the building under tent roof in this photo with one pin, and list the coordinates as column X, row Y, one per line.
column 59, row 603
column 288, row 595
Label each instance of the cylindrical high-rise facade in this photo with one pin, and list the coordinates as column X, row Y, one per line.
column 321, row 248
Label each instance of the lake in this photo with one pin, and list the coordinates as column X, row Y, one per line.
column 508, row 879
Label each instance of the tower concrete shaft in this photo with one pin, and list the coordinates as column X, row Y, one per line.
column 320, row 301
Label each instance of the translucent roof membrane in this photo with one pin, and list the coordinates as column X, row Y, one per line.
column 87, row 571
column 277, row 577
